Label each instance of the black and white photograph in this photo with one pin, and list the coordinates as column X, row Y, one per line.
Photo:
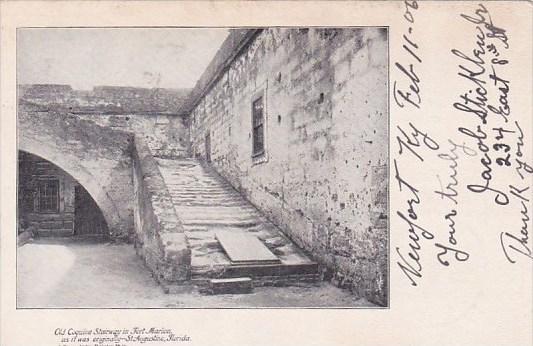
column 196, row 167
column 266, row 173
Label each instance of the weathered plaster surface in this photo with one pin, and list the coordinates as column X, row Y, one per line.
column 167, row 136
column 324, row 176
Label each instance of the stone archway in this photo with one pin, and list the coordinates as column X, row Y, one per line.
column 98, row 158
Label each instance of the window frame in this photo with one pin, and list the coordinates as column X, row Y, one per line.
column 40, row 197
column 259, row 156
column 256, row 125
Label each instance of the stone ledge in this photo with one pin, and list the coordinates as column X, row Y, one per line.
column 159, row 235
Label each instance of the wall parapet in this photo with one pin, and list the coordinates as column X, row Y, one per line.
column 236, row 41
column 159, row 236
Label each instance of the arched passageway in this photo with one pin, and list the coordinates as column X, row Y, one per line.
column 98, row 158
column 53, row 203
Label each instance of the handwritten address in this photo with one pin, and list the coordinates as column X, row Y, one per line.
column 490, row 137
column 496, row 136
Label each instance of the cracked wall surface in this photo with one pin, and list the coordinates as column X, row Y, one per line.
column 166, row 136
column 324, row 176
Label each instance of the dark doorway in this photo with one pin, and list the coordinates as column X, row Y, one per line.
column 208, row 147
column 52, row 203
column 88, row 219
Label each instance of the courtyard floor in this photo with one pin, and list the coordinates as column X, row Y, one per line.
column 68, row 272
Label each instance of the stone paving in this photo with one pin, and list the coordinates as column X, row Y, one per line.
column 206, row 204
column 91, row 273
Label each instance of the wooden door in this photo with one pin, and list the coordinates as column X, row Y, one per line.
column 208, row 147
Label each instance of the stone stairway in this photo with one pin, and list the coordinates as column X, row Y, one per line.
column 206, row 205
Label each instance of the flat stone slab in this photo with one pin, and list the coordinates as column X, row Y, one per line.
column 243, row 248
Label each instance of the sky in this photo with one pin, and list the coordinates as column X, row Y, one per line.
column 137, row 57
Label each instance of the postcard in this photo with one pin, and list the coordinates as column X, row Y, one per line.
column 266, row 173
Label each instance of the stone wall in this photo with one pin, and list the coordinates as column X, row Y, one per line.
column 159, row 236
column 323, row 178
column 166, row 135
column 152, row 113
column 106, row 99
column 99, row 158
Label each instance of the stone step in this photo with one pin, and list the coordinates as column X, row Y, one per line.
column 220, row 210
column 199, row 185
column 188, row 220
column 206, row 203
column 271, row 270
column 66, row 216
column 256, row 272
column 210, row 201
column 242, row 217
column 181, row 194
column 207, row 196
column 185, row 194
column 215, row 202
column 194, row 180
column 42, row 232
column 192, row 189
column 241, row 285
column 290, row 280
column 208, row 230
column 220, row 223
column 178, row 172
column 184, row 190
